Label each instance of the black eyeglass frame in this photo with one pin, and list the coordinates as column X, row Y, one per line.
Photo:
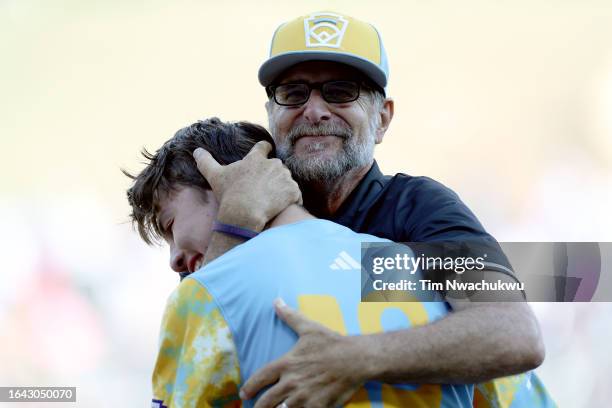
column 271, row 91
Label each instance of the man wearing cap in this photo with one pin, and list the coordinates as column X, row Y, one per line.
column 327, row 108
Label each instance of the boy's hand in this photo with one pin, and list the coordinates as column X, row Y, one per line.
column 251, row 191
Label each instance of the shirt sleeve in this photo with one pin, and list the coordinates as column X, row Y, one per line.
column 431, row 212
column 197, row 364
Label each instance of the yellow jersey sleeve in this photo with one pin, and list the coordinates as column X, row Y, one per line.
column 516, row 391
column 197, row 364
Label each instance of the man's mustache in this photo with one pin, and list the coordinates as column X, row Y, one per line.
column 327, row 129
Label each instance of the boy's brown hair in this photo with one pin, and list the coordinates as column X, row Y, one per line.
column 173, row 165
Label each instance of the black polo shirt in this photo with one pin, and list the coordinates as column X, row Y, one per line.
column 403, row 208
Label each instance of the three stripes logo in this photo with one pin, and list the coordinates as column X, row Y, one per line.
column 344, row 261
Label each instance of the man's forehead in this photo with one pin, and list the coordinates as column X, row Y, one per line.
column 318, row 71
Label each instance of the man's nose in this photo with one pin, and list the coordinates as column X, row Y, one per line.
column 178, row 260
column 316, row 109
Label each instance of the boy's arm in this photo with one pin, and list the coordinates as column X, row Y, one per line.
column 197, row 364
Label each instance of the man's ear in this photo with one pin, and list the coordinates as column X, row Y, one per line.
column 386, row 114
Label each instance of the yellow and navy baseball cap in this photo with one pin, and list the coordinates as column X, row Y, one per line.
column 327, row 36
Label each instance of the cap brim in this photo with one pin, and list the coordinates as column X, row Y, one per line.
column 275, row 66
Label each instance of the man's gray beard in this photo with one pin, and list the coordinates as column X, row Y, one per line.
column 325, row 170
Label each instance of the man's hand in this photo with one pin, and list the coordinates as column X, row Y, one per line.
column 320, row 371
column 251, row 191
column 477, row 342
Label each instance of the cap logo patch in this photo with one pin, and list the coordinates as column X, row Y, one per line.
column 324, row 30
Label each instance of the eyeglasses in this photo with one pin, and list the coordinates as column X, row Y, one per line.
column 299, row 93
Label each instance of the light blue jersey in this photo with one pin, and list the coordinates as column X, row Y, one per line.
column 314, row 266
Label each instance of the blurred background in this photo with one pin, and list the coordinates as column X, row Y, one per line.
column 508, row 103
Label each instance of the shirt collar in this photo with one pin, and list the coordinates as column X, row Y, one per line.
column 361, row 197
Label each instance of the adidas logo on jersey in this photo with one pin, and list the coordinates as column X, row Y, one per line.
column 345, row 261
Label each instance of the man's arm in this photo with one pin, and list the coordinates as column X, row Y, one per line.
column 219, row 244
column 187, row 374
column 477, row 342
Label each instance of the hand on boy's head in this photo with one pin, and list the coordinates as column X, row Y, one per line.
column 251, row 191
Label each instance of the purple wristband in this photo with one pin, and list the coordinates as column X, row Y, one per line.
column 234, row 230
